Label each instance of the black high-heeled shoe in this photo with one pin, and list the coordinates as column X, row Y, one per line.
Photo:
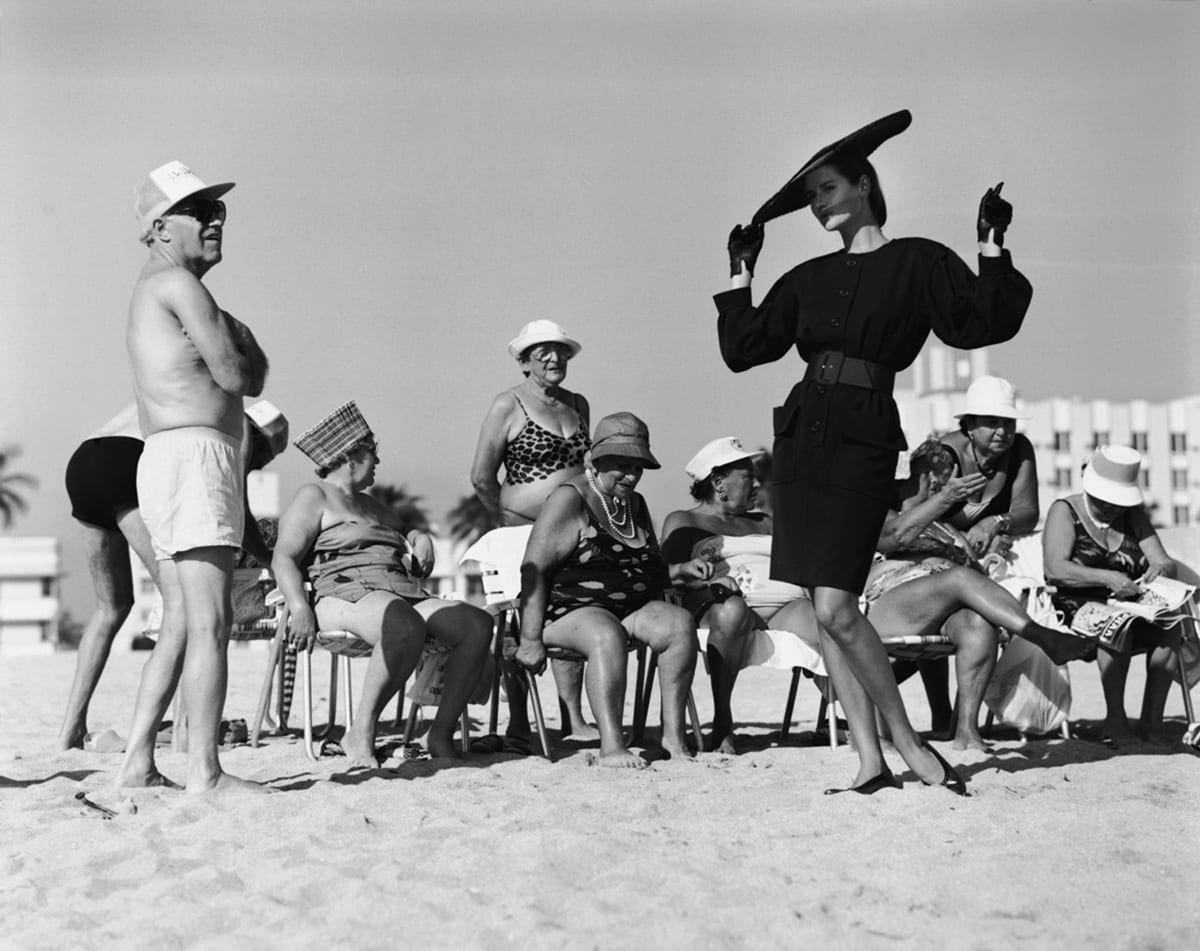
column 950, row 779
column 883, row 780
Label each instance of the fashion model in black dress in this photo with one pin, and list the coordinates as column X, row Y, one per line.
column 857, row 317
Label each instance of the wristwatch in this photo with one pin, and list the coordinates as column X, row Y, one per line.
column 1003, row 524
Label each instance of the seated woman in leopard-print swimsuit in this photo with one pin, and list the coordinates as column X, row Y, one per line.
column 538, row 431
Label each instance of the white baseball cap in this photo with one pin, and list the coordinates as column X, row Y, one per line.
column 165, row 187
column 719, row 452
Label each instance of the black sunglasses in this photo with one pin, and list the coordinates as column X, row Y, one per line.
column 204, row 210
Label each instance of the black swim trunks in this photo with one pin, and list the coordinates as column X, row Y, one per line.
column 102, row 479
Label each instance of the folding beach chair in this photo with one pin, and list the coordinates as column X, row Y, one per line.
column 498, row 554
column 339, row 644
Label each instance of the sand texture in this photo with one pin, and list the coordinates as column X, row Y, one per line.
column 1064, row 843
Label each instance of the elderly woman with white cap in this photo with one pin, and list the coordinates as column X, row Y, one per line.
column 987, row 443
column 592, row 578
column 725, row 529
column 366, row 573
column 1100, row 544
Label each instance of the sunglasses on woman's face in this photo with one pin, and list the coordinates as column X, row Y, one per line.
column 204, row 210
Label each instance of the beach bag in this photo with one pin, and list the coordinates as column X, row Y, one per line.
column 1028, row 691
column 430, row 675
column 249, row 596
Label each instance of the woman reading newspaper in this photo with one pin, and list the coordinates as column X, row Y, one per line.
column 1113, row 580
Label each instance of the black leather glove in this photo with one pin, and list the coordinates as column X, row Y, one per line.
column 744, row 245
column 995, row 215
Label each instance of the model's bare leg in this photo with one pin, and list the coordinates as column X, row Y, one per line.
column 839, row 615
column 670, row 632
column 860, row 712
column 467, row 631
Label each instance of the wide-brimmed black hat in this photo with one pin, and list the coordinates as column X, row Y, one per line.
column 865, row 141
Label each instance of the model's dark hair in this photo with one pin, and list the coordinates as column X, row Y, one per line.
column 852, row 165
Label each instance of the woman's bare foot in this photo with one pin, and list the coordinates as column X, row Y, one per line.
column 583, row 732
column 360, row 751
column 621, row 759
column 720, row 744
column 971, row 740
column 143, row 778
column 441, row 745
column 677, row 748
column 225, row 783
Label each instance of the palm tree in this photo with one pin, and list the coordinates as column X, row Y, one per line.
column 408, row 507
column 470, row 519
column 11, row 499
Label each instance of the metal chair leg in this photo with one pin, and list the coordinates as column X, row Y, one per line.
column 694, row 715
column 790, row 708
column 333, row 697
column 410, row 726
column 538, row 719
column 347, row 689
column 306, row 699
column 274, row 665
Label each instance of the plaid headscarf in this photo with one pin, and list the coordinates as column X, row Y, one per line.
column 334, row 436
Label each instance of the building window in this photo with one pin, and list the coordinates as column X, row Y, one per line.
column 1178, row 442
column 47, row 588
column 1180, row 513
column 1062, row 477
column 1099, row 439
column 1144, row 477
column 1139, row 442
column 1178, row 478
column 1062, row 442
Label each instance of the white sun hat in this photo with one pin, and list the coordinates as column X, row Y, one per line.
column 1112, row 476
column 540, row 331
column 719, row 452
column 991, row 396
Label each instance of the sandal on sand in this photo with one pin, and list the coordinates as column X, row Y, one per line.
column 106, row 741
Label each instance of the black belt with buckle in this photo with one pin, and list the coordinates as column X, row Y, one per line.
column 830, row 366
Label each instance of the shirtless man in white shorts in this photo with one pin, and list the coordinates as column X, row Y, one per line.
column 192, row 364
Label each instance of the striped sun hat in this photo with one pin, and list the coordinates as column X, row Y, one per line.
column 334, row 436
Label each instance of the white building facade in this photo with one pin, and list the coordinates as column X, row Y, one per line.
column 30, row 571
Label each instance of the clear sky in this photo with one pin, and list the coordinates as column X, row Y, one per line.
column 417, row 180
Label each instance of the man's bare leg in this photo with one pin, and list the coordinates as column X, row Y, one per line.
column 112, row 581
column 160, row 677
column 205, row 578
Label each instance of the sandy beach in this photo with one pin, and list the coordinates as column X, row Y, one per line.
column 1063, row 843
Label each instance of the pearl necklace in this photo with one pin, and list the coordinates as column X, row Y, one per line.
column 1104, row 527
column 619, row 508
